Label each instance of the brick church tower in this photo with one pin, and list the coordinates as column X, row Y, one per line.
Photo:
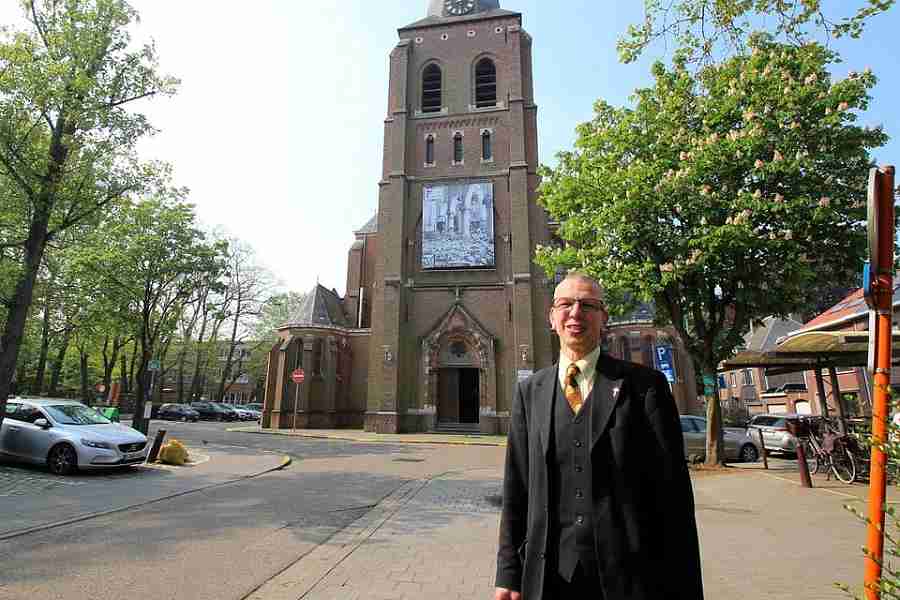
column 456, row 307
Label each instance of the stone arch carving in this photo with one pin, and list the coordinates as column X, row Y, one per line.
column 458, row 326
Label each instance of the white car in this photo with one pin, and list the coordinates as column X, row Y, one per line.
column 66, row 436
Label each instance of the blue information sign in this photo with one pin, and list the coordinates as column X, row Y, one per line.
column 664, row 361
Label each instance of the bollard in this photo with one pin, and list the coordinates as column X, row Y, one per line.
column 157, row 444
column 805, row 480
column 762, row 450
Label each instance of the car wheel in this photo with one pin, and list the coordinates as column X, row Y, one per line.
column 183, row 419
column 62, row 460
column 749, row 453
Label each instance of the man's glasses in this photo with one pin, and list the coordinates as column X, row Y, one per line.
column 588, row 305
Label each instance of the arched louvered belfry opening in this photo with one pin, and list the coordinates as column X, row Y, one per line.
column 429, row 150
column 431, row 89
column 485, row 83
column 487, row 150
column 458, row 148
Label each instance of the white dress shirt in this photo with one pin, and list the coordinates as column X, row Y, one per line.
column 587, row 367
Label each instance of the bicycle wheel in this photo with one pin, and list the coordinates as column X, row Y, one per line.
column 843, row 465
column 812, row 457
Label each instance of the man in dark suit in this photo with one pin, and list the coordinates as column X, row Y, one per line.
column 597, row 500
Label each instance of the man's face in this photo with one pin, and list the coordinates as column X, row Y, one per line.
column 579, row 325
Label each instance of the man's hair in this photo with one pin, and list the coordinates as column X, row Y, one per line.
column 582, row 276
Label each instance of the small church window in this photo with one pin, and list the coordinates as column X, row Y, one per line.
column 317, row 357
column 487, row 151
column 458, row 148
column 485, row 83
column 429, row 150
column 431, row 89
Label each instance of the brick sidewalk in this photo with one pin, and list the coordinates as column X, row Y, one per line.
column 762, row 536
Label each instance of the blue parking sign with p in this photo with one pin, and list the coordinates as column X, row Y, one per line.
column 664, row 361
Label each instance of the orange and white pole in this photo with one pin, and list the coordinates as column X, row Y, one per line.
column 881, row 251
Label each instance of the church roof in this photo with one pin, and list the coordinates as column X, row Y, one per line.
column 643, row 313
column 371, row 226
column 434, row 21
column 320, row 307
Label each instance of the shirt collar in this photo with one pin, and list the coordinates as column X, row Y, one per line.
column 587, row 365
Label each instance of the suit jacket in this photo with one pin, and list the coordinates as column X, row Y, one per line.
column 644, row 526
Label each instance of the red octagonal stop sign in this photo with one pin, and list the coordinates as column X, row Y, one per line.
column 298, row 376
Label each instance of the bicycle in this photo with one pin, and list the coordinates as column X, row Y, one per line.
column 829, row 450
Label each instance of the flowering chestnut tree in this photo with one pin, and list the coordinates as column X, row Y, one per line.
column 723, row 196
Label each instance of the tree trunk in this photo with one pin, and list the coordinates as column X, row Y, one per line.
column 123, row 371
column 179, row 381
column 109, row 363
column 226, row 368
column 197, row 382
column 86, row 395
column 38, row 388
column 142, row 392
column 17, row 315
column 56, row 371
column 714, row 443
column 133, row 384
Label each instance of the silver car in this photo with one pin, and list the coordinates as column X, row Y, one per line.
column 244, row 413
column 738, row 447
column 774, row 430
column 67, row 435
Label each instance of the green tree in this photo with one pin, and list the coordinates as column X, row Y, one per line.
column 722, row 198
column 704, row 29
column 67, row 138
column 152, row 260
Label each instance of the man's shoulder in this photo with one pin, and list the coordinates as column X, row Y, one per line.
column 616, row 368
column 539, row 377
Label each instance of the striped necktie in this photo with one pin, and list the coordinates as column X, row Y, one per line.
column 573, row 391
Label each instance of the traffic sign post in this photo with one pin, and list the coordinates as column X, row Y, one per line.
column 297, row 376
column 879, row 294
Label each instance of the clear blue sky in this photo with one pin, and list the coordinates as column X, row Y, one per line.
column 278, row 125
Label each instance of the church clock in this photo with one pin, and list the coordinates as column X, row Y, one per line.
column 459, row 7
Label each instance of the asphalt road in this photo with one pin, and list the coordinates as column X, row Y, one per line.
column 222, row 543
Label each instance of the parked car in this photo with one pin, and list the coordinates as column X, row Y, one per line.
column 177, row 412
column 257, row 406
column 738, row 446
column 213, row 411
column 774, row 431
column 66, row 436
column 244, row 414
column 254, row 413
column 235, row 415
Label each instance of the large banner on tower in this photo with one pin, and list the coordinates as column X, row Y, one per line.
column 458, row 225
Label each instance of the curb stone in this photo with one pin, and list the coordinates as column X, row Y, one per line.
column 351, row 438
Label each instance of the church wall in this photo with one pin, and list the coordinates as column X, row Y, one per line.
column 360, row 272
column 456, row 57
column 372, row 247
column 405, row 303
column 359, row 378
column 354, row 269
column 490, row 306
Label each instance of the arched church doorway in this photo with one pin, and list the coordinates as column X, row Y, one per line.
column 458, row 397
column 459, row 387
